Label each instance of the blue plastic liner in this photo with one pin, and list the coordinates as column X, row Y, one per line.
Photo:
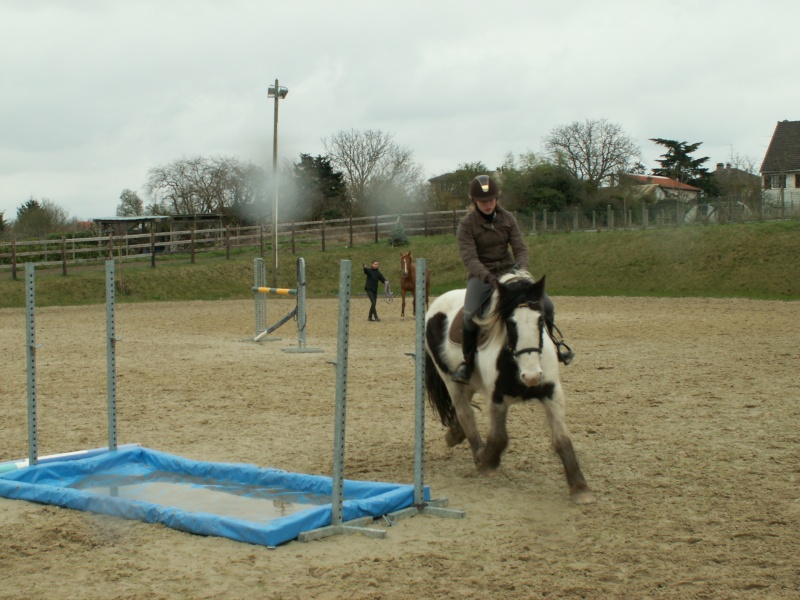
column 59, row 483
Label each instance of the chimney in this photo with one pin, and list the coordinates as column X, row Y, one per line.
column 719, row 166
column 727, row 165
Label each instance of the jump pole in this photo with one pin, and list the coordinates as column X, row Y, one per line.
column 420, row 506
column 337, row 490
column 299, row 312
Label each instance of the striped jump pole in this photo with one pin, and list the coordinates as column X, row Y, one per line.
column 261, row 292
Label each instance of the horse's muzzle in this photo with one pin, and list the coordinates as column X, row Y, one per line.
column 530, row 378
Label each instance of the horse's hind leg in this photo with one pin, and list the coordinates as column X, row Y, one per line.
column 578, row 488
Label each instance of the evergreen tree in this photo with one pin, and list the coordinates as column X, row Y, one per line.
column 678, row 164
column 321, row 190
column 398, row 237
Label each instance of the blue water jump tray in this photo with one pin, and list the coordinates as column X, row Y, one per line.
column 237, row 501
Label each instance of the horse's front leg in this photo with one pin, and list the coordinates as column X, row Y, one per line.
column 461, row 396
column 403, row 305
column 562, row 443
column 497, row 438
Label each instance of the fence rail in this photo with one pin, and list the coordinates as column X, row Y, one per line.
column 297, row 236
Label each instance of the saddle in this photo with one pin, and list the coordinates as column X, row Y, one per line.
column 456, row 332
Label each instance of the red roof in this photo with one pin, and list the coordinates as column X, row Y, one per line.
column 664, row 182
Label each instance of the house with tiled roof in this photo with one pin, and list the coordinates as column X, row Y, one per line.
column 780, row 170
column 660, row 188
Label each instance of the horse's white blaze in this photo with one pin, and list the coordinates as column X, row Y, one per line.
column 529, row 363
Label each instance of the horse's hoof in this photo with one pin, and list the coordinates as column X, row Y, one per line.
column 583, row 497
column 454, row 438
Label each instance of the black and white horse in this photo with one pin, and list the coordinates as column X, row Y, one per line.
column 516, row 361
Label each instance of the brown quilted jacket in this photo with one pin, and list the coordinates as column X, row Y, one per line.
column 484, row 246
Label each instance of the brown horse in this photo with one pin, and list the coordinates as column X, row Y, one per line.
column 408, row 278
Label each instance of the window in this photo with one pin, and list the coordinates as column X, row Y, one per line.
column 777, row 181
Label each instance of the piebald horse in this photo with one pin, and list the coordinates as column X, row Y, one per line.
column 408, row 279
column 516, row 361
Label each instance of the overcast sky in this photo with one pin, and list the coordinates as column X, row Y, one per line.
column 95, row 93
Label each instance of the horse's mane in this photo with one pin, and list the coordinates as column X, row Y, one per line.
column 492, row 319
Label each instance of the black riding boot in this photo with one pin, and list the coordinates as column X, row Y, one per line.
column 469, row 343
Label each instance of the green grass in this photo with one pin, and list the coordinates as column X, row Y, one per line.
column 754, row 260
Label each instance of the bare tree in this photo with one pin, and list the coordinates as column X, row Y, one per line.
column 378, row 171
column 202, row 185
column 593, row 150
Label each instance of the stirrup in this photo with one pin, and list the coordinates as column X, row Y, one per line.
column 565, row 353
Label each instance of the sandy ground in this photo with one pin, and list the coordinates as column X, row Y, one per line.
column 684, row 414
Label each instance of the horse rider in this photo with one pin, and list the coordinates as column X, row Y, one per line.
column 484, row 236
column 371, row 287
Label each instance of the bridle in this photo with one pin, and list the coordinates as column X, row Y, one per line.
column 534, row 306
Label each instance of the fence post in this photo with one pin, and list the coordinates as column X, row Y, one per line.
column 294, row 249
column 351, row 231
column 594, row 219
column 191, row 243
column 426, row 223
column 544, row 220
column 14, row 259
column 152, row 249
column 261, row 240
column 455, row 222
column 610, row 218
column 64, row 256
column 322, row 226
column 376, row 229
column 228, row 242
column 110, row 245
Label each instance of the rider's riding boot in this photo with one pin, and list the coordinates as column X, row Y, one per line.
column 469, row 343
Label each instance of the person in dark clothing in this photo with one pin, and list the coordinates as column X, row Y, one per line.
column 371, row 287
column 484, row 236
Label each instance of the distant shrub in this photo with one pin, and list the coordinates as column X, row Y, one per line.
column 398, row 237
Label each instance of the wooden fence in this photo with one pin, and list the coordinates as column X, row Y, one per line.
column 297, row 237
column 292, row 237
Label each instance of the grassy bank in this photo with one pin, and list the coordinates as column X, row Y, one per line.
column 755, row 260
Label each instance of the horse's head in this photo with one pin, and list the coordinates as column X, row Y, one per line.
column 406, row 263
column 519, row 305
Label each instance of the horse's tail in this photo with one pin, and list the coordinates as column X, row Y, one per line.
column 438, row 395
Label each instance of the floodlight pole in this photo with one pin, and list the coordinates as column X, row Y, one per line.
column 278, row 93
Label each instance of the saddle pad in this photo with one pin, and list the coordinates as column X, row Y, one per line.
column 456, row 333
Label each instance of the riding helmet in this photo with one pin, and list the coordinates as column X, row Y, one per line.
column 483, row 187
